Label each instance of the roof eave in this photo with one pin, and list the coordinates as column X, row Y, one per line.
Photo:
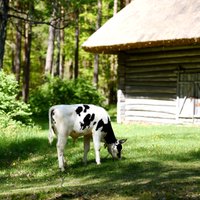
column 115, row 49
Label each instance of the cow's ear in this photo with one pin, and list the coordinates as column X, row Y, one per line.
column 122, row 141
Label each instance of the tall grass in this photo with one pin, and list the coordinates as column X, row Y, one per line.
column 158, row 162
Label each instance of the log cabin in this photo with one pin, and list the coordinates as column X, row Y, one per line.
column 158, row 48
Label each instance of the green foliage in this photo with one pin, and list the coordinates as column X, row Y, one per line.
column 9, row 106
column 87, row 24
column 58, row 91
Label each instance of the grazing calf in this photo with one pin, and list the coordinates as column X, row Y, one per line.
column 78, row 120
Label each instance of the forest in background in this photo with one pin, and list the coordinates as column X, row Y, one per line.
column 42, row 38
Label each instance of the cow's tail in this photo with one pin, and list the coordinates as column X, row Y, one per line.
column 51, row 130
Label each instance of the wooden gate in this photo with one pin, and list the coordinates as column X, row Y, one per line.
column 188, row 97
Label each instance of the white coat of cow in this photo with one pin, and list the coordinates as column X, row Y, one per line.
column 85, row 120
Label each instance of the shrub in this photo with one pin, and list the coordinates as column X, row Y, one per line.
column 11, row 107
column 58, row 91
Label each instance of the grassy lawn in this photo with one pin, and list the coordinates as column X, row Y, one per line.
column 159, row 162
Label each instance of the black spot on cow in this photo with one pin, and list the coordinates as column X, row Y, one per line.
column 94, row 123
column 100, row 124
column 107, row 128
column 87, row 120
column 79, row 110
column 86, row 108
column 83, row 108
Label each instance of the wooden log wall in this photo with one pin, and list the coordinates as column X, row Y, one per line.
column 148, row 81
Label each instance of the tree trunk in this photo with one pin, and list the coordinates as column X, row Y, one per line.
column 50, row 48
column 112, row 98
column 96, row 70
column 96, row 56
column 57, row 71
column 124, row 3
column 62, row 36
column 115, row 7
column 17, row 52
column 60, row 44
column 113, row 68
column 76, row 53
column 27, row 51
column 4, row 6
column 62, row 57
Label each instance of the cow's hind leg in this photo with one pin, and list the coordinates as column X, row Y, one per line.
column 86, row 147
column 60, row 150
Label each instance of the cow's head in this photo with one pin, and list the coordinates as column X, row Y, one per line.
column 115, row 148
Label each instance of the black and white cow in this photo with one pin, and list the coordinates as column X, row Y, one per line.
column 78, row 120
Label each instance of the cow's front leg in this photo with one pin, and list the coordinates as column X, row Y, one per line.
column 86, row 147
column 97, row 146
column 60, row 150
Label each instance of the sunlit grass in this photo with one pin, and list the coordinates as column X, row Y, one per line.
column 158, row 162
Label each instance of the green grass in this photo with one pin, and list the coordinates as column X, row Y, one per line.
column 159, row 162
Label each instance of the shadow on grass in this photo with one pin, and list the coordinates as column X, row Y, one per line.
column 146, row 180
column 150, row 179
column 21, row 150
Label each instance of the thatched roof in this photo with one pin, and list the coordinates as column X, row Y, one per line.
column 148, row 23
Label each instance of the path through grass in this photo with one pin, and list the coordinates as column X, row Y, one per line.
column 159, row 162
